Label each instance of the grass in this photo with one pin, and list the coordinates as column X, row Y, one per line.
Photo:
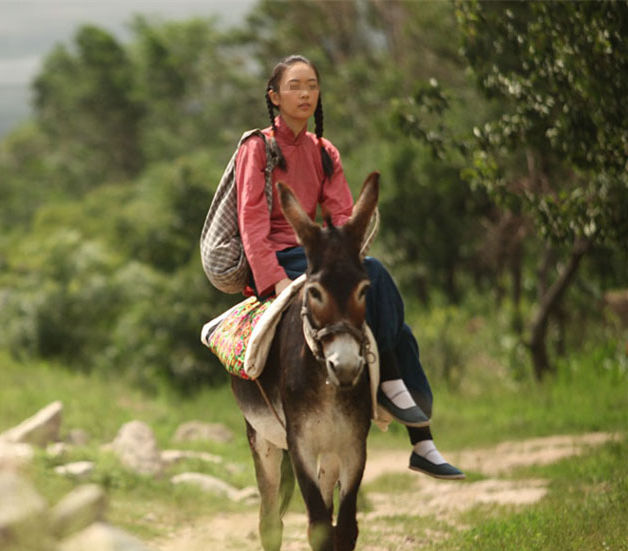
column 586, row 507
column 100, row 405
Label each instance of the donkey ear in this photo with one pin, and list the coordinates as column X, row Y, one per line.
column 364, row 207
column 306, row 230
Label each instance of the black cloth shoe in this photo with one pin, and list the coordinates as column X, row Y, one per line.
column 411, row 417
column 444, row 470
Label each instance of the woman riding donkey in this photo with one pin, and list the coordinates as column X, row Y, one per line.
column 311, row 166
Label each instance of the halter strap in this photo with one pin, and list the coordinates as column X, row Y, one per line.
column 313, row 336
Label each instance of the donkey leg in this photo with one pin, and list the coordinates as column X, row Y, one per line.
column 346, row 534
column 268, row 471
column 320, row 530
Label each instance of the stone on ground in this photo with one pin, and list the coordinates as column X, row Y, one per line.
column 40, row 429
column 206, row 483
column 15, row 455
column 136, row 446
column 77, row 510
column 78, row 469
column 170, row 457
column 102, row 537
column 198, row 430
column 22, row 513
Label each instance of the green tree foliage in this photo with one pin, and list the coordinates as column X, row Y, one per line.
column 84, row 101
column 561, row 69
column 113, row 281
column 194, row 84
column 25, row 161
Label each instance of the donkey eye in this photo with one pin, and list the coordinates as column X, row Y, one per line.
column 315, row 294
column 363, row 290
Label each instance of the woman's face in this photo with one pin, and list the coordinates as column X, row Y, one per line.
column 298, row 93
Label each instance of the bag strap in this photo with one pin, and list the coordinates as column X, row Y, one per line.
column 272, row 160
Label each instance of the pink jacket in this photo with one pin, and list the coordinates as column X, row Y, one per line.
column 264, row 235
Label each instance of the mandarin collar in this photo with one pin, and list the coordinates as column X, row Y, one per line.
column 285, row 133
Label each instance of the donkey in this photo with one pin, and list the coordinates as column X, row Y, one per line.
column 311, row 415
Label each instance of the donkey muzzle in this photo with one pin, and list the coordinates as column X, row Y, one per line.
column 343, row 360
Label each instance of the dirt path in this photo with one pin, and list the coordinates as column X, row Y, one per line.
column 423, row 496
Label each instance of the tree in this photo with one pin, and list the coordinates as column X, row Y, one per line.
column 84, row 101
column 193, row 81
column 562, row 69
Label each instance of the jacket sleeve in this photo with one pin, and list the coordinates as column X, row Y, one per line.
column 336, row 198
column 254, row 215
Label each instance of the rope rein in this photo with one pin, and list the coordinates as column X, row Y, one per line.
column 269, row 403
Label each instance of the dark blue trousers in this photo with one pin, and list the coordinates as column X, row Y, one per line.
column 385, row 316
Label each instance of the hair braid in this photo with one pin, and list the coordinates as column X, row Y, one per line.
column 274, row 146
column 328, row 164
column 271, row 110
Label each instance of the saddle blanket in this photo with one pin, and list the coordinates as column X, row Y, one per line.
column 241, row 338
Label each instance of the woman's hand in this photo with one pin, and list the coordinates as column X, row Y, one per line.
column 281, row 285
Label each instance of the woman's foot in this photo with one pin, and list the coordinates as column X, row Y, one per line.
column 394, row 397
column 425, row 458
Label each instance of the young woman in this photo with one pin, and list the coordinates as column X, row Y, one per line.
column 311, row 166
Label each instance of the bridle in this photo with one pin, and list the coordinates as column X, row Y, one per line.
column 314, row 336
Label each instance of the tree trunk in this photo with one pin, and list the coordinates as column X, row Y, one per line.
column 548, row 303
column 561, row 337
column 516, row 272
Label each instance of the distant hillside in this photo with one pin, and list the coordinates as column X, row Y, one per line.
column 14, row 106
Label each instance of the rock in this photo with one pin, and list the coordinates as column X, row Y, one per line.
column 40, row 429
column 14, row 456
column 207, row 483
column 137, row 449
column 56, row 450
column 102, row 537
column 170, row 457
column 248, row 495
column 197, row 430
column 77, row 437
column 22, row 513
column 235, row 468
column 79, row 469
column 77, row 510
column 211, row 484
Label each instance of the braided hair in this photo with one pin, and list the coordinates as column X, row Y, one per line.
column 273, row 85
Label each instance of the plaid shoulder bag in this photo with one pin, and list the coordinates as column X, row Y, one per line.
column 222, row 252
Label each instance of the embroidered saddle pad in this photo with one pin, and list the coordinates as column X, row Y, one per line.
column 230, row 338
column 241, row 337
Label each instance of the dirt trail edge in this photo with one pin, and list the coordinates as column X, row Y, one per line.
column 423, row 496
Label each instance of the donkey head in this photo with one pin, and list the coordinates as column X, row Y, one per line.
column 334, row 299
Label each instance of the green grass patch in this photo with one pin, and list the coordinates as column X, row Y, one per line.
column 586, row 508
column 100, row 405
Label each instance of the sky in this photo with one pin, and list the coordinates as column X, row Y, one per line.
column 30, row 28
